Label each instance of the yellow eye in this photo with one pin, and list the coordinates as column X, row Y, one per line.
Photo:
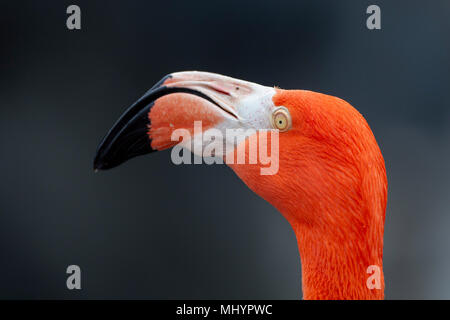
column 281, row 119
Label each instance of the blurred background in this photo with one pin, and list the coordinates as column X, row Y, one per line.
column 152, row 230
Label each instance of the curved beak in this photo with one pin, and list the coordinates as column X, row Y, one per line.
column 176, row 102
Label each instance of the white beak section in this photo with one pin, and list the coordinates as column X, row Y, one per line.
column 181, row 101
column 247, row 102
column 245, row 105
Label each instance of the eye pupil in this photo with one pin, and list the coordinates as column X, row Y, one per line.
column 281, row 119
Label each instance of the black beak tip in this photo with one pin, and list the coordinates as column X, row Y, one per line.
column 129, row 137
column 103, row 161
column 98, row 164
column 97, row 167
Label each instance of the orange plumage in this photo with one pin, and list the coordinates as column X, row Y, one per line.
column 331, row 181
column 331, row 187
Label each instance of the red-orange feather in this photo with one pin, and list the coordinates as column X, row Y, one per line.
column 332, row 188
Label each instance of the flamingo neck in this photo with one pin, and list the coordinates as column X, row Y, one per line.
column 339, row 264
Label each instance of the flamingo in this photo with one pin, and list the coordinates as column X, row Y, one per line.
column 331, row 183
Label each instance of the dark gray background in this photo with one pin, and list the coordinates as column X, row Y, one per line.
column 150, row 229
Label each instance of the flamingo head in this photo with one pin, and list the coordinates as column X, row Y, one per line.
column 324, row 145
column 326, row 174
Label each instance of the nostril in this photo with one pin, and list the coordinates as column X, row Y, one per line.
column 221, row 91
column 218, row 88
